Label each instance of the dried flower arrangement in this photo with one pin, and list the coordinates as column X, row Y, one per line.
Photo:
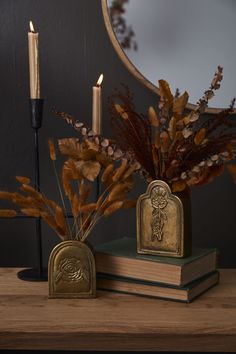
column 182, row 148
column 85, row 160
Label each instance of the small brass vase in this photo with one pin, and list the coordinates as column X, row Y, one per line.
column 164, row 222
column 71, row 271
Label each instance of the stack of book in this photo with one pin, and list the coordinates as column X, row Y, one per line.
column 121, row 269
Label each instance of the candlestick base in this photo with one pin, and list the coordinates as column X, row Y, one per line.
column 33, row 274
column 36, row 112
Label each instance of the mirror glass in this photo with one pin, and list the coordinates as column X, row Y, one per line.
column 181, row 41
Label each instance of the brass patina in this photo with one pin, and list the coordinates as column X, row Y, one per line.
column 71, row 271
column 161, row 228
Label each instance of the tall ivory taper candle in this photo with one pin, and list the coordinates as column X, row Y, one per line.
column 33, row 43
column 97, row 107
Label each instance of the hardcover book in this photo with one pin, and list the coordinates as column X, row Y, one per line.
column 120, row 258
column 152, row 289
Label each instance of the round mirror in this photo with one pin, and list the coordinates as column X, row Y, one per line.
column 181, row 41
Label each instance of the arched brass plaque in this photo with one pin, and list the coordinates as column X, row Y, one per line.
column 71, row 271
column 160, row 222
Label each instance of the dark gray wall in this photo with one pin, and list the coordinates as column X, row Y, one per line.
column 75, row 49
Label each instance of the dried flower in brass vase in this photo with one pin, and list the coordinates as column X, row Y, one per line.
column 86, row 159
column 181, row 147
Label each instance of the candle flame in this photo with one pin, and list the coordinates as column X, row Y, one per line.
column 100, row 79
column 31, row 26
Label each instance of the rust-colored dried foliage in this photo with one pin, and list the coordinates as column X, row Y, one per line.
column 182, row 147
column 232, row 171
column 86, row 159
column 52, row 150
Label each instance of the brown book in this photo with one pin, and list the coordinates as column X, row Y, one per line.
column 151, row 289
column 120, row 258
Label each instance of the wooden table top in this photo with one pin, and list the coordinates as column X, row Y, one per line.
column 29, row 320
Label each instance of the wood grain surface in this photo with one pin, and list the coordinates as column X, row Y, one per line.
column 29, row 320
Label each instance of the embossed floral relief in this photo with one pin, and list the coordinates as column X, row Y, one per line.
column 71, row 270
column 159, row 202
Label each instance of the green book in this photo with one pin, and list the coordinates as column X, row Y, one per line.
column 185, row 293
column 120, row 258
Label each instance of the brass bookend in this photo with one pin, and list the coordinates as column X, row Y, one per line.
column 161, row 228
column 71, row 271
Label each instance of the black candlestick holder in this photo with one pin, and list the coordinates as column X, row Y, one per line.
column 39, row 273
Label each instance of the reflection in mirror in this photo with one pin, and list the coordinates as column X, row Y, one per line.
column 181, row 41
column 123, row 31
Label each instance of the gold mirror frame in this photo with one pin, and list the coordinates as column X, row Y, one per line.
column 130, row 66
